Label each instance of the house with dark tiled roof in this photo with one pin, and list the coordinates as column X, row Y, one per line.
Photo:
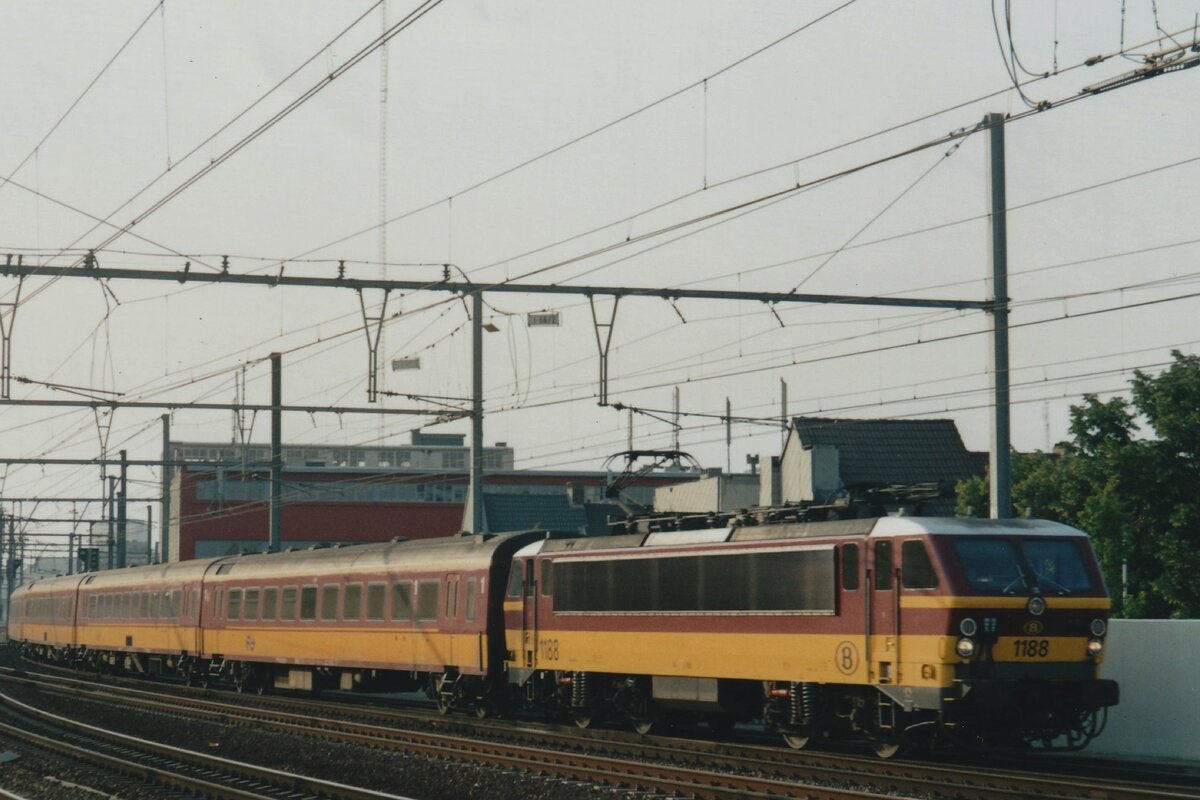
column 825, row 460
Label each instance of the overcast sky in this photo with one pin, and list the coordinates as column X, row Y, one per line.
column 475, row 88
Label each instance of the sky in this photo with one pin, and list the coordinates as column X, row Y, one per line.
column 584, row 143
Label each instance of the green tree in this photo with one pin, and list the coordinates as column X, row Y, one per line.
column 1137, row 497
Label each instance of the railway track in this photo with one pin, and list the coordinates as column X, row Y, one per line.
column 186, row 772
column 681, row 767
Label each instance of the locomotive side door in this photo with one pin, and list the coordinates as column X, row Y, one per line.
column 883, row 620
column 529, row 615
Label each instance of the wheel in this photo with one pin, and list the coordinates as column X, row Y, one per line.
column 885, row 749
column 483, row 709
column 583, row 719
column 796, row 741
column 643, row 726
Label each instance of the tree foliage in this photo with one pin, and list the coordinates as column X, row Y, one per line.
column 1139, row 497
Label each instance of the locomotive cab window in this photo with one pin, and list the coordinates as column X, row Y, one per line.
column 850, row 567
column 547, row 578
column 916, row 570
column 883, row 565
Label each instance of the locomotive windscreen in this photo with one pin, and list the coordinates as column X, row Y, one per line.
column 775, row 581
column 1016, row 566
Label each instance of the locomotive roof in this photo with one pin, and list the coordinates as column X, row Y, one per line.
column 873, row 526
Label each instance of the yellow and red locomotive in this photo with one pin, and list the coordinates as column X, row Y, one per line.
column 892, row 629
column 896, row 629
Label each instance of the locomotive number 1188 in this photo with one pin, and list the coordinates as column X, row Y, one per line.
column 1031, row 648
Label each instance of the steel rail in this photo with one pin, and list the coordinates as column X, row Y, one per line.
column 235, row 770
column 788, row 772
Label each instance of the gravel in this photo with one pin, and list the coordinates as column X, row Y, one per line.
column 417, row 776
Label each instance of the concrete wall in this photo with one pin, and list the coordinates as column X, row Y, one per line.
column 1156, row 663
column 769, row 492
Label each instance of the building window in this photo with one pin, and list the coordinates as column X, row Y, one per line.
column 454, row 459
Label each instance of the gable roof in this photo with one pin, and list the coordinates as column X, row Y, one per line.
column 874, row 452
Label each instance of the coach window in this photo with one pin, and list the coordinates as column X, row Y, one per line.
column 308, row 602
column 219, row 605
column 402, row 606
column 427, row 600
column 91, row 610
column 250, row 607
column 146, row 613
column 287, row 604
column 330, row 593
column 376, row 592
column 470, row 612
column 352, row 602
column 883, row 564
column 270, row 601
column 916, row 570
column 850, row 567
column 233, row 611
column 451, row 598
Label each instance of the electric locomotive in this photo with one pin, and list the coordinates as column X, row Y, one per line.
column 898, row 630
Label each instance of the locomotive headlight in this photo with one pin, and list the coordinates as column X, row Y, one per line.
column 1036, row 605
column 968, row 627
column 1099, row 627
column 1095, row 647
column 965, row 647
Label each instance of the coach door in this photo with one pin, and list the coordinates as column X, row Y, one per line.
column 882, row 618
column 451, row 624
column 529, row 615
